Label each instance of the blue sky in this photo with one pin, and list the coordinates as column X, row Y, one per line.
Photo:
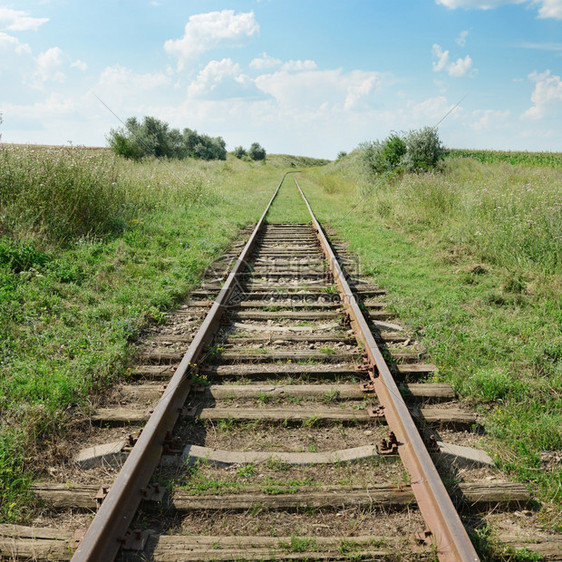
column 306, row 77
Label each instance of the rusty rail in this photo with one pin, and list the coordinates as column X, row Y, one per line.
column 442, row 519
column 108, row 530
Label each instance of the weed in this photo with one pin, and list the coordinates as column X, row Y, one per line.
column 330, row 289
column 264, row 397
column 331, row 396
column 298, row 544
column 255, row 510
column 246, row 471
column 226, row 425
column 278, row 465
column 310, row 421
column 199, row 380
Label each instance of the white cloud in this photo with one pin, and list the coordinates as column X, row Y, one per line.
column 220, row 79
column 17, row 20
column 205, row 31
column 298, row 65
column 265, row 62
column 546, row 97
column 551, row 46
column 55, row 104
column 429, row 112
column 461, row 39
column 119, row 77
column 358, row 90
column 48, row 67
column 547, row 8
column 80, row 65
column 456, row 69
column 460, row 68
column 550, row 9
column 9, row 42
column 319, row 90
column 477, row 4
column 442, row 58
column 488, row 119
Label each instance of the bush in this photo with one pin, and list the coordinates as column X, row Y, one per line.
column 256, row 152
column 423, row 150
column 239, row 152
column 154, row 138
column 382, row 157
column 20, row 255
column 415, row 151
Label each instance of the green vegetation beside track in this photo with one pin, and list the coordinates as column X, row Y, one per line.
column 93, row 248
column 549, row 159
column 471, row 258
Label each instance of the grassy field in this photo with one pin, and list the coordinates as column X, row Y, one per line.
column 92, row 248
column 549, row 159
column 472, row 260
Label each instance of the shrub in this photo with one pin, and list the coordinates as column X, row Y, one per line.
column 423, row 150
column 256, row 152
column 415, row 151
column 239, row 152
column 154, row 138
column 20, row 255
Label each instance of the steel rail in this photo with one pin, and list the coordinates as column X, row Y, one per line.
column 449, row 535
column 106, row 533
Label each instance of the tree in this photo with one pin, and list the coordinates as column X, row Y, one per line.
column 256, row 152
column 154, row 138
column 423, row 150
column 239, row 152
column 415, row 151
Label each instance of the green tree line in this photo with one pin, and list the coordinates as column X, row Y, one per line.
column 155, row 138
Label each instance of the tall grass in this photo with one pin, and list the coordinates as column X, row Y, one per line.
column 550, row 159
column 57, row 195
column 471, row 260
column 504, row 215
column 92, row 249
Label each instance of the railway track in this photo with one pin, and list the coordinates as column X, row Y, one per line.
column 299, row 424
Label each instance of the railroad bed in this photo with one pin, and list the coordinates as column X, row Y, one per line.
column 280, row 436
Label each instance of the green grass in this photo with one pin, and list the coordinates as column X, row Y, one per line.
column 92, row 249
column 299, row 544
column 472, row 261
column 549, row 159
column 470, row 258
column 274, row 487
column 288, row 206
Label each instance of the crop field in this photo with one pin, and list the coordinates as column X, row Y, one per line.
column 94, row 248
column 549, row 159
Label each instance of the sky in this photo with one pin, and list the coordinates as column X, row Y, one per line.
column 301, row 77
